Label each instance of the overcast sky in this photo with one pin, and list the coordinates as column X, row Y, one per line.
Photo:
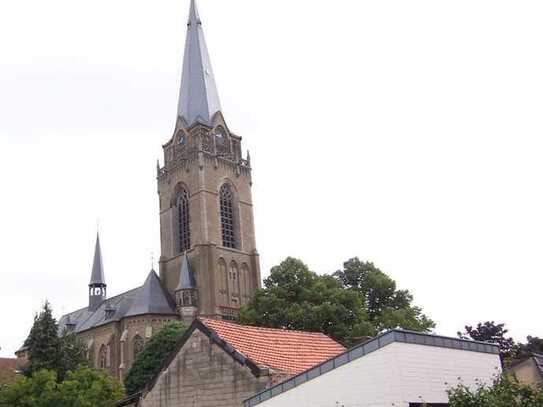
column 408, row 133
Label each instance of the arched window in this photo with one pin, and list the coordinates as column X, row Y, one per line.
column 183, row 220
column 102, row 357
column 138, row 345
column 227, row 217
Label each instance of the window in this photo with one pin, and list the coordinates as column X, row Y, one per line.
column 183, row 220
column 138, row 345
column 227, row 217
column 102, row 357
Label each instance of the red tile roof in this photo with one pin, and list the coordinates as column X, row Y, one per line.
column 291, row 352
column 7, row 369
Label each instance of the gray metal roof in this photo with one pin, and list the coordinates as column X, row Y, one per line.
column 198, row 97
column 186, row 276
column 97, row 275
column 151, row 298
column 395, row 335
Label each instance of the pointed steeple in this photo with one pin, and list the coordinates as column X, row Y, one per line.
column 97, row 285
column 97, row 275
column 186, row 276
column 198, row 97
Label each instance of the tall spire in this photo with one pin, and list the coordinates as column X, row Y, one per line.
column 198, row 97
column 97, row 276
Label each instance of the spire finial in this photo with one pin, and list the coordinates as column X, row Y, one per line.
column 194, row 17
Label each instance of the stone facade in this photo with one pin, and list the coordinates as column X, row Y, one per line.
column 529, row 370
column 203, row 374
column 199, row 160
column 113, row 346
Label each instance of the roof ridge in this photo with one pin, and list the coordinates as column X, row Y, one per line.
column 204, row 319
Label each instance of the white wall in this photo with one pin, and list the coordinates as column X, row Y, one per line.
column 392, row 376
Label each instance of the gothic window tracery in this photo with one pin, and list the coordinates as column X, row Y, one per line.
column 227, row 217
column 222, row 142
column 183, row 220
column 207, row 143
column 234, row 284
column 138, row 345
column 222, row 280
column 245, row 283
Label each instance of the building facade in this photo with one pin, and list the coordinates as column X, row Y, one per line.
column 209, row 265
column 398, row 368
column 204, row 187
column 219, row 364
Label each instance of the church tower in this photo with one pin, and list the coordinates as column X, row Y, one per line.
column 204, row 187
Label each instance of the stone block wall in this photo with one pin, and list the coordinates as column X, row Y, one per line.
column 202, row 374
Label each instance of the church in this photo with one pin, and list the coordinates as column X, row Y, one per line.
column 209, row 264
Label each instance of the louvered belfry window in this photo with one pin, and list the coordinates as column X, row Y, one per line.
column 227, row 217
column 183, row 220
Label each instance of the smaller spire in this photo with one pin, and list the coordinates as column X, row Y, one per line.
column 186, row 276
column 97, row 276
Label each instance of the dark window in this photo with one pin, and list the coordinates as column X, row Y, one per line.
column 227, row 217
column 103, row 357
column 183, row 220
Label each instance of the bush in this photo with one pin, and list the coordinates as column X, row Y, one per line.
column 83, row 387
column 150, row 360
column 506, row 391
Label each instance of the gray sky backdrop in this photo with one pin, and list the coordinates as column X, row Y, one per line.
column 403, row 132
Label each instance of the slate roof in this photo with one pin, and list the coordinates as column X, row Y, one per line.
column 151, row 298
column 291, row 352
column 186, row 276
column 198, row 96
column 97, row 275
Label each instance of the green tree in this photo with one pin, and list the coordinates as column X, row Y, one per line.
column 73, row 353
column 82, row 388
column 387, row 307
column 493, row 333
column 47, row 350
column 533, row 345
column 294, row 297
column 506, row 391
column 44, row 347
column 87, row 387
column 150, row 360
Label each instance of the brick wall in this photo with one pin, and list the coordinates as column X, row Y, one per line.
column 203, row 375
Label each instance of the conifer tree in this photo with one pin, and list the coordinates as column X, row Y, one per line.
column 44, row 348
